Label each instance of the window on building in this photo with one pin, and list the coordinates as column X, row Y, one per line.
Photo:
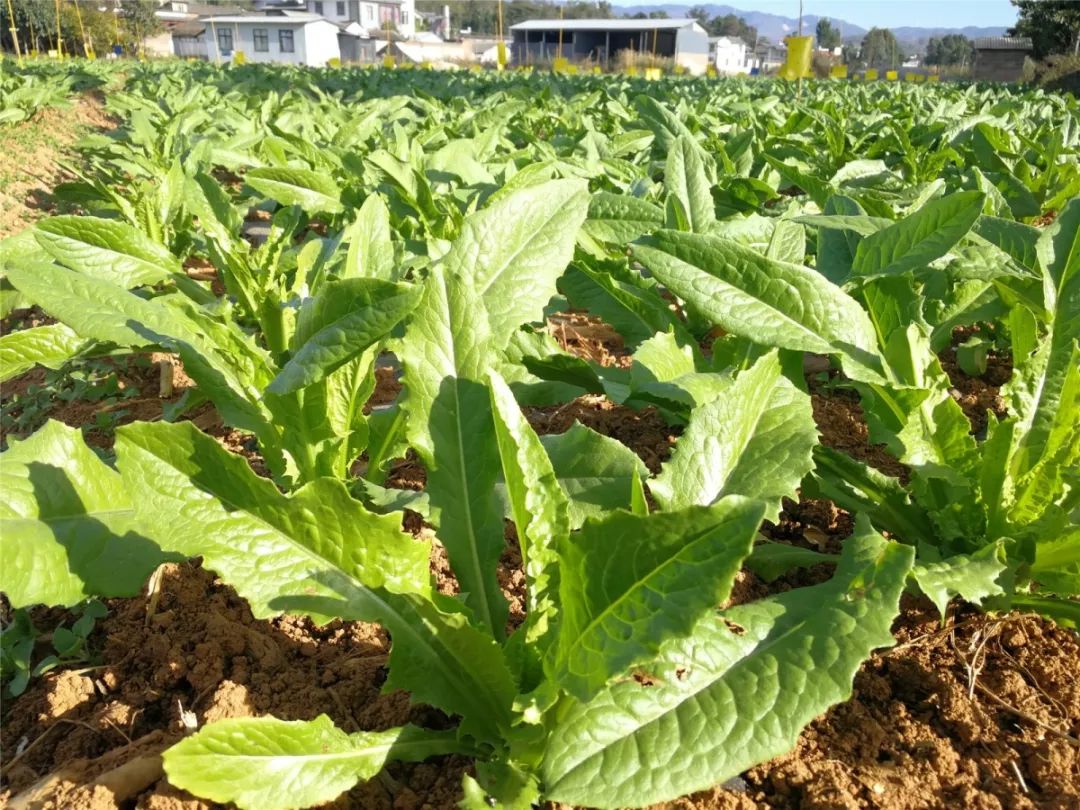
column 224, row 40
column 404, row 17
column 262, row 39
column 285, row 40
column 340, row 8
column 369, row 12
column 318, row 7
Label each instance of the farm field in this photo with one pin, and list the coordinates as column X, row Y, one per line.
column 408, row 439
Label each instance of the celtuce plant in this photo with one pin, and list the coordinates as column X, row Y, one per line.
column 727, row 234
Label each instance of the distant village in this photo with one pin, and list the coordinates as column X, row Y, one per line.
column 322, row 32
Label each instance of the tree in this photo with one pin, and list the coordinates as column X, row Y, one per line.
column 139, row 20
column 1052, row 25
column 852, row 57
column 731, row 25
column 701, row 14
column 828, row 35
column 952, row 49
column 880, row 49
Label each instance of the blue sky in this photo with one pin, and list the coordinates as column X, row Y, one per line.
column 883, row 13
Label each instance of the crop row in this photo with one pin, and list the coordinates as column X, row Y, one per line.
column 726, row 230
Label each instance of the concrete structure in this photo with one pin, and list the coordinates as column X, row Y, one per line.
column 768, row 57
column 728, row 55
column 682, row 40
column 292, row 37
column 399, row 15
column 1000, row 59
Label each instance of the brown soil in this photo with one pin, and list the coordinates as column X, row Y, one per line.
column 29, row 159
column 140, row 375
column 589, row 338
column 970, row 715
column 644, row 431
column 979, row 396
column 842, row 425
column 198, row 650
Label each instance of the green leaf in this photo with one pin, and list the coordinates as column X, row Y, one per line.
column 1065, row 612
column 618, row 219
column 445, row 353
column 538, row 506
column 1014, row 238
column 972, row 577
column 915, row 241
column 1058, row 247
column 594, row 470
column 769, row 302
column 223, row 363
column 107, row 249
column 513, row 251
column 315, row 192
column 636, row 314
column 736, row 692
column 262, row 763
column 338, row 324
column 67, row 527
column 50, row 346
column 753, row 438
column 631, row 582
column 770, row 561
column 371, row 248
column 664, row 123
column 685, row 179
column 318, row 553
column 788, row 242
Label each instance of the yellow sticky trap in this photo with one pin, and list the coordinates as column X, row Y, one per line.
column 239, row 58
column 800, row 54
column 934, row 78
column 710, row 71
column 891, row 75
column 597, row 70
column 631, row 71
column 679, row 70
column 919, row 77
column 388, row 61
column 500, row 55
column 838, row 71
column 90, row 53
column 560, row 64
column 571, row 69
column 333, row 62
column 652, row 74
column 909, row 77
column 425, row 65
column 871, row 74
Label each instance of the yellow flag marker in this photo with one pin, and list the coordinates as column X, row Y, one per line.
column 800, row 51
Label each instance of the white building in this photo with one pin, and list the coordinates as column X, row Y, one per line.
column 293, row 37
column 728, row 55
column 400, row 15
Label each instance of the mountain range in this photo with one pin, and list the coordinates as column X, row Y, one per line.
column 776, row 26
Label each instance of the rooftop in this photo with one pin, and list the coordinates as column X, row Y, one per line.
column 283, row 18
column 1003, row 44
column 603, row 25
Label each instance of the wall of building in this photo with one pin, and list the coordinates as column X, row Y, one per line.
column 321, row 43
column 692, row 51
column 601, row 46
column 369, row 14
column 730, row 58
column 313, row 44
column 999, row 65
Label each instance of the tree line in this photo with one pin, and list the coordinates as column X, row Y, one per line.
column 101, row 24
